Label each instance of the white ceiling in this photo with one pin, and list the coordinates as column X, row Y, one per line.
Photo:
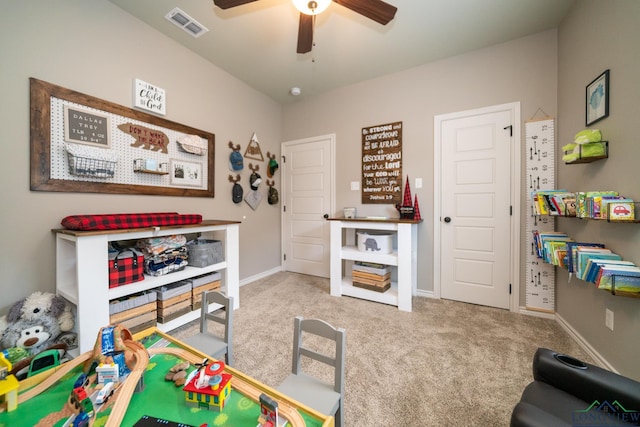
column 256, row 42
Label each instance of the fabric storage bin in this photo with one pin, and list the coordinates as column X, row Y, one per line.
column 379, row 243
column 204, row 279
column 134, row 312
column 132, row 301
column 204, row 252
column 167, row 292
column 125, row 266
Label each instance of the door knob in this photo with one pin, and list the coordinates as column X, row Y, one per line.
column 325, row 216
column 447, row 219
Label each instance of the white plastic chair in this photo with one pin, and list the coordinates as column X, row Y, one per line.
column 207, row 342
column 322, row 396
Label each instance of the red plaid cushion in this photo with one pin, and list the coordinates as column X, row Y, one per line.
column 129, row 220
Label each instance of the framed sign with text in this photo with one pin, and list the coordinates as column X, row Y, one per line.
column 149, row 97
column 382, row 164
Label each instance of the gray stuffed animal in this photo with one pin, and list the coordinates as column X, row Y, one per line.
column 40, row 305
column 34, row 335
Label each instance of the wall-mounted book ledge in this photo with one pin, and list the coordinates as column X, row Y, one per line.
column 587, row 153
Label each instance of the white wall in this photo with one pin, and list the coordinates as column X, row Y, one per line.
column 96, row 48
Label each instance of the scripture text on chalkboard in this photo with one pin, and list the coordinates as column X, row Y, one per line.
column 382, row 164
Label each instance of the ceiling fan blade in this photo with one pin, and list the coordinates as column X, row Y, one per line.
column 305, row 33
column 227, row 4
column 377, row 10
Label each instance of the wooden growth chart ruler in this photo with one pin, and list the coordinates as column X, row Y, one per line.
column 540, row 175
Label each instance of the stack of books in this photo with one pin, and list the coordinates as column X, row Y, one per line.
column 371, row 276
column 594, row 263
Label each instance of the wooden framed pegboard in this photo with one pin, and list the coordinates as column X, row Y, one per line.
column 52, row 169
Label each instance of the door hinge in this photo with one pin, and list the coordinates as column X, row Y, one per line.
column 509, row 288
column 284, row 208
column 511, row 210
column 510, row 127
column 284, row 256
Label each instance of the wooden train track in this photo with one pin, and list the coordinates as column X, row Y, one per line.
column 54, row 378
column 126, row 390
column 287, row 411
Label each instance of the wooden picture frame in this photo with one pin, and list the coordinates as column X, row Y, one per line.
column 597, row 99
column 41, row 178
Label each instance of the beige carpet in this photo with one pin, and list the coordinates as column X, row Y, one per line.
column 444, row 364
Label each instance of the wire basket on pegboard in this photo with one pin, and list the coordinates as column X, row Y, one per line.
column 92, row 162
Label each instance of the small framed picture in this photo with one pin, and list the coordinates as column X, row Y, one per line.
column 185, row 173
column 597, row 102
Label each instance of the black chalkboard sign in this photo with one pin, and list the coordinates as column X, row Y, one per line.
column 382, row 164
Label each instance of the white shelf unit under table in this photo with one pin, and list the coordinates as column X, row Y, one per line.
column 82, row 276
column 403, row 257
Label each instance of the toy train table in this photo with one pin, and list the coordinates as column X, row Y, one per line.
column 82, row 392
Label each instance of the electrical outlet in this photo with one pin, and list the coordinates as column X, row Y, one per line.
column 608, row 318
column 355, row 185
column 418, row 182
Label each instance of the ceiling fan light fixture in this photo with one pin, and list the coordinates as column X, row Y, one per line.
column 313, row 7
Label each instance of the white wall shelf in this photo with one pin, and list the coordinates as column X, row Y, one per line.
column 403, row 257
column 82, row 277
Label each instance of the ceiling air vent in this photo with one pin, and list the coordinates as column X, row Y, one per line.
column 187, row 23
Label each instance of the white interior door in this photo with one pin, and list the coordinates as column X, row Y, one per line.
column 307, row 183
column 476, row 225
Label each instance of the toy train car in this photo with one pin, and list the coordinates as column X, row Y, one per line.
column 105, row 393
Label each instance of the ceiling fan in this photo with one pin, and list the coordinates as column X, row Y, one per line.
column 376, row 10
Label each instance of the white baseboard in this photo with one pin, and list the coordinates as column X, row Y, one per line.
column 425, row 294
column 525, row 311
column 582, row 342
column 259, row 276
column 597, row 357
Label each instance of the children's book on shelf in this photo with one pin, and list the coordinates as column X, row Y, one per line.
column 584, row 249
column 600, row 205
column 542, row 238
column 585, row 201
column 619, row 279
column 551, row 246
column 584, row 257
column 592, row 270
column 569, row 202
column 549, row 202
column 560, row 255
column 571, row 247
column 620, row 210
